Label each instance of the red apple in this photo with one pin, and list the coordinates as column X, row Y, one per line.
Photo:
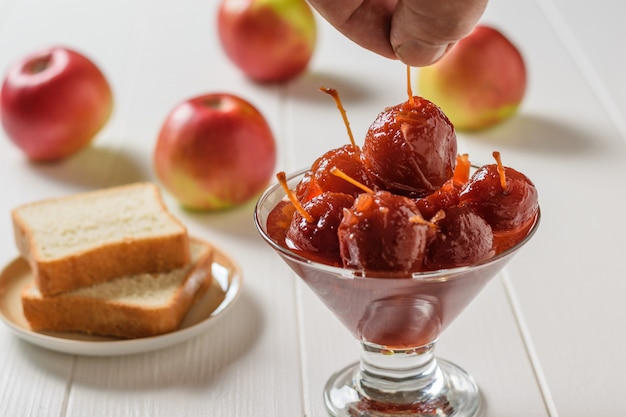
column 479, row 83
column 53, row 102
column 269, row 40
column 215, row 151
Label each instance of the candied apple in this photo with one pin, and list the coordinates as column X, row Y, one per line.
column 411, row 147
column 316, row 234
column 278, row 220
column 505, row 198
column 378, row 233
column 448, row 195
column 462, row 238
column 320, row 178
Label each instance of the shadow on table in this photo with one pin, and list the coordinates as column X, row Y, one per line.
column 199, row 362
column 236, row 221
column 307, row 88
column 97, row 167
column 537, row 134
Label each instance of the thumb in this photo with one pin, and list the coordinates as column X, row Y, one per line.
column 422, row 31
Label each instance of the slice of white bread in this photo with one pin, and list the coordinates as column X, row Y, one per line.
column 127, row 307
column 79, row 240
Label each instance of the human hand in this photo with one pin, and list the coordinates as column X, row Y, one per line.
column 417, row 32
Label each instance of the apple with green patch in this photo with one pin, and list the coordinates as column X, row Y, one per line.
column 479, row 83
column 269, row 40
column 215, row 151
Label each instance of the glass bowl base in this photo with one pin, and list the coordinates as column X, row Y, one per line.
column 456, row 395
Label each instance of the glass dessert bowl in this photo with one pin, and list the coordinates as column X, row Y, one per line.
column 397, row 321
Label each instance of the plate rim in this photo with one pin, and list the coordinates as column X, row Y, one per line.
column 117, row 347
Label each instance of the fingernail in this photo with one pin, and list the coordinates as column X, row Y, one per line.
column 418, row 54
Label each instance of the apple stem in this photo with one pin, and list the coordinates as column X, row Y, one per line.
column 339, row 173
column 282, row 179
column 39, row 64
column 332, row 92
column 440, row 215
column 501, row 171
column 408, row 86
column 462, row 169
column 418, row 219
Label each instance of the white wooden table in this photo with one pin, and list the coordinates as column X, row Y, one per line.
column 546, row 338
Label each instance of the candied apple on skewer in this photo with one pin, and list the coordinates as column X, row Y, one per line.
column 320, row 177
column 411, row 147
column 505, row 198
column 346, row 158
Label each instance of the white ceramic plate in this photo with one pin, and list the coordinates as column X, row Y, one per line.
column 224, row 290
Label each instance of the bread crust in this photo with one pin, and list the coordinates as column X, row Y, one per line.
column 100, row 316
column 129, row 255
column 108, row 262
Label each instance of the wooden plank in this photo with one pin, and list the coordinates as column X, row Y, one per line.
column 33, row 381
column 591, row 37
